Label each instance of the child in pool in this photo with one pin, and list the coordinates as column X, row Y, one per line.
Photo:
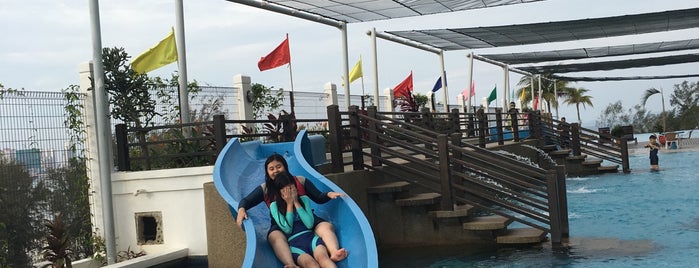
column 654, row 146
column 293, row 214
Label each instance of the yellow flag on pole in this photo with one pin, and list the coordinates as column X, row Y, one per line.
column 356, row 72
column 164, row 53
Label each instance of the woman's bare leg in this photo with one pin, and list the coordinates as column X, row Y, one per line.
column 326, row 231
column 281, row 248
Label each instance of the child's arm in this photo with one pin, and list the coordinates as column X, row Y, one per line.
column 285, row 223
column 304, row 211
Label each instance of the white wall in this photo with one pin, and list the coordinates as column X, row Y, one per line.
column 177, row 193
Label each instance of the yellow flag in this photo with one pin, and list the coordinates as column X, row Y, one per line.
column 356, row 72
column 164, row 53
column 521, row 97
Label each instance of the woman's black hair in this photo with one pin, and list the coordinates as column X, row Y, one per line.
column 269, row 182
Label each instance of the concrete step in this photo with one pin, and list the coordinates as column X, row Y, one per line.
column 390, row 187
column 592, row 163
column 580, row 158
column 458, row 212
column 420, row 199
column 608, row 169
column 521, row 236
column 487, row 223
column 560, row 153
column 549, row 148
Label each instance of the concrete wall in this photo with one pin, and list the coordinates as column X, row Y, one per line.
column 177, row 195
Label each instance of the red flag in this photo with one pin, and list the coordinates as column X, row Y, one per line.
column 278, row 57
column 536, row 103
column 404, row 88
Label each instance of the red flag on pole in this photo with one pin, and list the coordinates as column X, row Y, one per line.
column 278, row 57
column 404, row 88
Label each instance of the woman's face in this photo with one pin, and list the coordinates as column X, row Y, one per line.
column 274, row 168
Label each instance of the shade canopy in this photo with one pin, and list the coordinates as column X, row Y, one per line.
column 620, row 78
column 612, row 65
column 371, row 10
column 535, row 33
column 593, row 52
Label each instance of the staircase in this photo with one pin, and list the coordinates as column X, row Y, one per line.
column 402, row 217
column 578, row 165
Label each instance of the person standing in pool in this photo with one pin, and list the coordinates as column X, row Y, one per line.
column 274, row 165
column 654, row 146
column 292, row 212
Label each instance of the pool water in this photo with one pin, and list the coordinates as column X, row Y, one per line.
column 641, row 219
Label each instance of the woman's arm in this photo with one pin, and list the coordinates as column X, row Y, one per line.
column 316, row 195
column 252, row 199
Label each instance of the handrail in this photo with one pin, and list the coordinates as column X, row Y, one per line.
column 467, row 173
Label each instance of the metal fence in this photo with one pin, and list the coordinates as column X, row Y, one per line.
column 39, row 175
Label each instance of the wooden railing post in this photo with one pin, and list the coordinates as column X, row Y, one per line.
column 457, row 155
column 535, row 128
column 335, row 139
column 514, row 122
column 498, row 126
column 220, row 132
column 444, row 172
column 356, row 136
column 454, row 120
column 554, row 207
column 562, row 199
column 482, row 127
column 575, row 136
column 470, row 127
column 374, row 137
column 288, row 127
column 625, row 167
column 122, row 144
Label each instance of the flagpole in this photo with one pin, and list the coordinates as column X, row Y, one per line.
column 182, row 63
column 291, row 78
column 104, row 135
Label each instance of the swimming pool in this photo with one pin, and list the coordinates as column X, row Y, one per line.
column 641, row 219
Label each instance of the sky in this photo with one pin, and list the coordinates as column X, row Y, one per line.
column 44, row 41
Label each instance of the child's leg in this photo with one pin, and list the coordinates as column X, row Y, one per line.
column 320, row 253
column 326, row 231
column 307, row 261
column 277, row 240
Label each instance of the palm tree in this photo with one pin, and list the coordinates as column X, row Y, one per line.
column 547, row 90
column 650, row 92
column 577, row 96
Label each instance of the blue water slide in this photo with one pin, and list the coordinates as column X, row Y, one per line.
column 240, row 168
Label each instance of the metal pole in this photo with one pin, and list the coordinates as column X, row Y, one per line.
column 345, row 64
column 182, row 62
column 555, row 94
column 104, row 134
column 539, row 98
column 376, row 70
column 470, row 80
column 531, row 85
column 444, row 81
column 504, row 88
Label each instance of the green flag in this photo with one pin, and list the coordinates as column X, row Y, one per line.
column 493, row 95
